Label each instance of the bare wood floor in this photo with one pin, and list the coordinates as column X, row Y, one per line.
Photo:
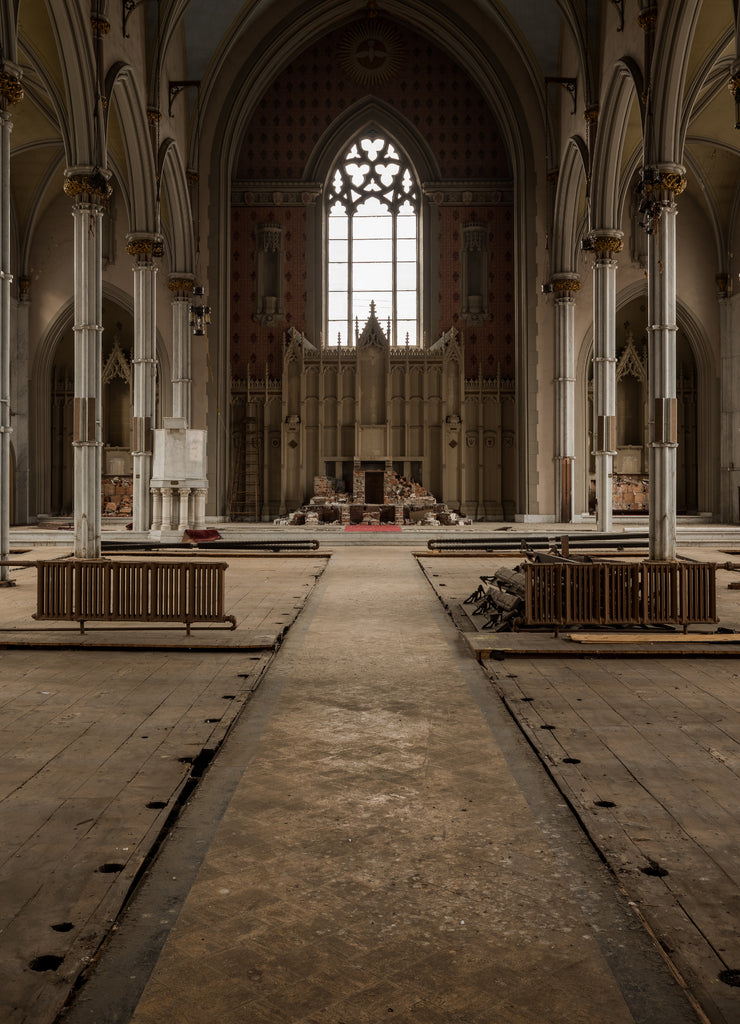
column 647, row 751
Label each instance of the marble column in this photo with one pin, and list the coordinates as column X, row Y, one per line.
column 10, row 93
column 144, row 248
column 181, row 286
column 565, row 287
column 184, row 494
column 605, row 245
column 156, row 508
column 166, row 508
column 90, row 190
column 661, row 185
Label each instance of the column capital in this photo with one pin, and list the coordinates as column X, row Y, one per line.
column 99, row 24
column 648, row 17
column 565, row 286
column 87, row 184
column 181, row 285
column 604, row 243
column 11, row 90
column 145, row 245
column 723, row 285
column 663, row 178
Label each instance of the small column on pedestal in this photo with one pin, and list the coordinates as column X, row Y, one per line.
column 156, row 508
column 166, row 508
column 184, row 493
column 199, row 507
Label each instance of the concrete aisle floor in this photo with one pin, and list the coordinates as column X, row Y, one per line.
column 376, row 841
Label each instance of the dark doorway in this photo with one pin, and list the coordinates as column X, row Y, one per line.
column 374, row 487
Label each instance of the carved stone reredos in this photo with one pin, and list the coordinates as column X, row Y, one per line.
column 373, row 335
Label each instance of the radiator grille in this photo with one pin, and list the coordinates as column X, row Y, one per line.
column 620, row 594
column 80, row 590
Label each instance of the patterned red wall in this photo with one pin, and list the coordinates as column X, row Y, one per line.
column 445, row 105
column 431, row 91
column 255, row 347
column 488, row 345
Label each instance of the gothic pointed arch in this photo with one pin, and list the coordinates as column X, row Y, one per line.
column 568, row 216
column 175, row 195
column 125, row 93
column 614, row 114
column 74, row 39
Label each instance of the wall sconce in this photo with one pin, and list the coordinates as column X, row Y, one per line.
column 200, row 314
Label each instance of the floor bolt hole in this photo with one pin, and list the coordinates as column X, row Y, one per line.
column 46, row 963
column 730, row 977
column 654, row 870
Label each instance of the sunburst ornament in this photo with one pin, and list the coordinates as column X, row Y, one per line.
column 371, row 54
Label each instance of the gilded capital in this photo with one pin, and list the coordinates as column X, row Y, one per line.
column 723, row 284
column 648, row 19
column 153, row 115
column 565, row 285
column 11, row 90
column 606, row 243
column 671, row 179
column 192, row 177
column 144, row 246
column 591, row 113
column 100, row 25
column 92, row 187
column 181, row 285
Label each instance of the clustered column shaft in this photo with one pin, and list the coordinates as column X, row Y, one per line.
column 90, row 189
column 606, row 244
column 565, row 287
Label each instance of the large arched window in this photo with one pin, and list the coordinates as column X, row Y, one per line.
column 372, row 229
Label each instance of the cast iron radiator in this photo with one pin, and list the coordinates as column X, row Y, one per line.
column 84, row 590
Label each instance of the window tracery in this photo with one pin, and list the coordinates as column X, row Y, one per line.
column 372, row 230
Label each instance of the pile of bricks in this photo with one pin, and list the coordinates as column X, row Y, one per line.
column 631, row 493
column 117, row 495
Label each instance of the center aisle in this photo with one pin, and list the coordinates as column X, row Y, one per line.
column 393, row 850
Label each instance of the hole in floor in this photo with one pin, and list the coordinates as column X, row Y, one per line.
column 65, row 926
column 654, row 870
column 156, row 805
column 605, row 803
column 551, row 727
column 110, row 868
column 730, row 977
column 46, row 963
column 228, row 696
column 211, row 721
column 571, row 760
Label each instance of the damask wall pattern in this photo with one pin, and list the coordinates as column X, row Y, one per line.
column 428, row 89
column 489, row 346
column 436, row 95
column 257, row 348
